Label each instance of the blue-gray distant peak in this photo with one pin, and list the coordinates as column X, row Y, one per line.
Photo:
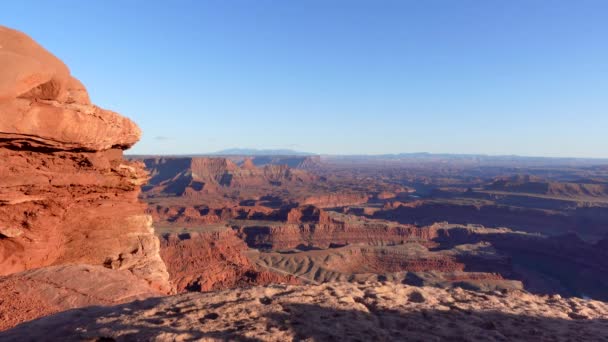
column 260, row 152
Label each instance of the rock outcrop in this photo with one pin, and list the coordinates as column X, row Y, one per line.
column 197, row 215
column 583, row 220
column 308, row 214
column 385, row 195
column 31, row 294
column 334, row 200
column 67, row 196
column 472, row 266
column 201, row 176
column 331, row 312
column 294, row 162
column 527, row 184
column 213, row 260
column 559, row 264
column 43, row 107
column 314, row 228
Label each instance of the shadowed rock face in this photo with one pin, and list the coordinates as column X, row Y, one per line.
column 537, row 185
column 331, row 312
column 590, row 220
column 67, row 196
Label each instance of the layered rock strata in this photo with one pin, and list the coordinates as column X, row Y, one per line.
column 213, row 260
column 590, row 221
column 327, row 229
column 67, row 196
column 335, row 200
column 202, row 176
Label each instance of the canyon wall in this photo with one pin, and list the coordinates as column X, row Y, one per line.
column 589, row 221
column 67, row 196
column 213, row 260
column 333, row 233
column 335, row 200
column 567, row 264
column 201, row 176
column 537, row 185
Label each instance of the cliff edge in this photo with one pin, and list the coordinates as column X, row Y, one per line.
column 67, row 195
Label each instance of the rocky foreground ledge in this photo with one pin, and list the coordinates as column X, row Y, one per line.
column 337, row 311
column 73, row 232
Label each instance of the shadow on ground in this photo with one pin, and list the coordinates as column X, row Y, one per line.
column 273, row 320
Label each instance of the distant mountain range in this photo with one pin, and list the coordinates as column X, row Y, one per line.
column 456, row 156
column 416, row 156
column 260, row 152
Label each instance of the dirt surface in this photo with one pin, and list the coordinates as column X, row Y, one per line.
column 341, row 311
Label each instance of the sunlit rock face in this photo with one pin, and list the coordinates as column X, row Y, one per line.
column 67, row 196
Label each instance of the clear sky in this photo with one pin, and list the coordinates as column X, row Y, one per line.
column 525, row 77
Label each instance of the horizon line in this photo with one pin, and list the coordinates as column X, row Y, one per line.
column 309, row 154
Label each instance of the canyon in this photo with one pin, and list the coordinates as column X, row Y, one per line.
column 213, row 261
column 99, row 246
column 416, row 225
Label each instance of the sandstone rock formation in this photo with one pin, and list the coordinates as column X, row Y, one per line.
column 331, row 312
column 28, row 295
column 67, row 196
column 248, row 164
column 583, row 220
column 308, row 213
column 536, row 185
column 43, row 106
column 334, row 200
column 192, row 177
column 385, row 195
column 314, row 228
column 293, row 161
column 193, row 216
column 213, row 260
column 411, row 264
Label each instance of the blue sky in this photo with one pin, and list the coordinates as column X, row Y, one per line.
column 340, row 77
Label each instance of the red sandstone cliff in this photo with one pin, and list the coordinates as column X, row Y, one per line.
column 201, row 176
column 67, row 196
column 335, row 200
column 213, row 261
column 308, row 214
column 330, row 230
